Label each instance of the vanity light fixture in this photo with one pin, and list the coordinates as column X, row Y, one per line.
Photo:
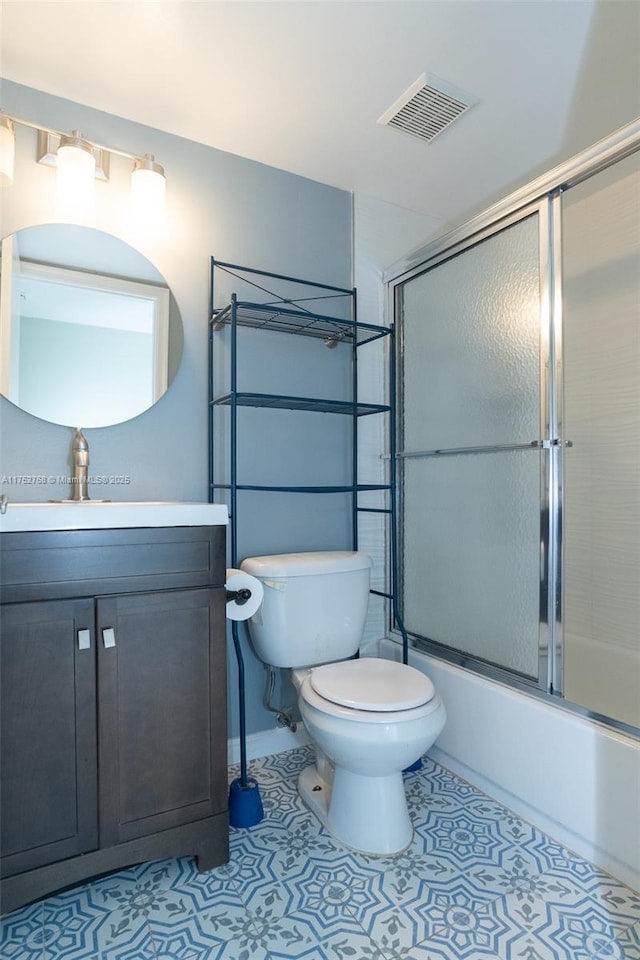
column 7, row 149
column 79, row 163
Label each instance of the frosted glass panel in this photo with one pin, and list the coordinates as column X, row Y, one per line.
column 471, row 522
column 472, row 345
column 472, row 555
column 601, row 265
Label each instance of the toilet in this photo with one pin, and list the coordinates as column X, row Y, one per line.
column 369, row 718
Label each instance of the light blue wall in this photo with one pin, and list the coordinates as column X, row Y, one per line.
column 240, row 211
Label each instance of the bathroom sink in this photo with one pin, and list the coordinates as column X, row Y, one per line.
column 91, row 515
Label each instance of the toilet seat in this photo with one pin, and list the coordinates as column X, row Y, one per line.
column 372, row 684
column 368, row 717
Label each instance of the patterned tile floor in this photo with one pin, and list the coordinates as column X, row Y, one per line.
column 477, row 883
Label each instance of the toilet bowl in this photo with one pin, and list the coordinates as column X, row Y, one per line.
column 368, row 718
column 359, row 794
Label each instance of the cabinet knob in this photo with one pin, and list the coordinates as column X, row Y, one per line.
column 84, row 639
column 109, row 637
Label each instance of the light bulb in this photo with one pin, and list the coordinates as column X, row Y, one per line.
column 148, row 192
column 76, row 171
column 7, row 150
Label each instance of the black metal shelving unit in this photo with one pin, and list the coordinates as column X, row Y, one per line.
column 287, row 305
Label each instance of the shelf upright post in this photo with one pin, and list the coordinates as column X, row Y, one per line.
column 354, row 439
column 233, row 429
column 245, row 805
column 211, row 490
column 393, row 470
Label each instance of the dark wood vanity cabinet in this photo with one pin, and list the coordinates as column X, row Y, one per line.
column 47, row 713
column 113, row 703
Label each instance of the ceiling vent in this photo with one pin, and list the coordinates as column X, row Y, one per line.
column 428, row 107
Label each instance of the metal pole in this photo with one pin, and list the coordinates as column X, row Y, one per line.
column 210, row 386
column 354, row 436
column 393, row 497
column 233, row 409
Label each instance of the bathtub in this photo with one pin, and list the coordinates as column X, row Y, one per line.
column 575, row 779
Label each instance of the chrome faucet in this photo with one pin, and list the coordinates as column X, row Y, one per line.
column 80, row 459
column 4, row 502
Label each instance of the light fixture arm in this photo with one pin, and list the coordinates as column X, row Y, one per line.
column 57, row 133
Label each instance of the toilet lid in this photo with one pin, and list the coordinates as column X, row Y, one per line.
column 372, row 684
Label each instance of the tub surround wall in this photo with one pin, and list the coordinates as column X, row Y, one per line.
column 382, row 232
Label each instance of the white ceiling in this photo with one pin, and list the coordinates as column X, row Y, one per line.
column 300, row 85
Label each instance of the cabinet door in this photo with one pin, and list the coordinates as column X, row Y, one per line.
column 48, row 733
column 162, row 695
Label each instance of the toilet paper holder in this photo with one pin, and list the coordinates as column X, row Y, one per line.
column 239, row 596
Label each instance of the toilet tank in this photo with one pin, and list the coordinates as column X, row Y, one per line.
column 314, row 606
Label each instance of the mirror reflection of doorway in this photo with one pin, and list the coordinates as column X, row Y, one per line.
column 90, row 334
column 69, row 322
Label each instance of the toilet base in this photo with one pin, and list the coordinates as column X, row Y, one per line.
column 366, row 814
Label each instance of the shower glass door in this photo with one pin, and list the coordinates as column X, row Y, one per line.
column 601, row 350
column 473, row 545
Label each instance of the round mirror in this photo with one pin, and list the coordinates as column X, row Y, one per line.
column 90, row 334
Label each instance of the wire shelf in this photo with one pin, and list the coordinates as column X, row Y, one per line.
column 317, row 405
column 303, row 323
column 275, row 488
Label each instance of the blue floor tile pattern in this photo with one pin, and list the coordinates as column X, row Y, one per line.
column 477, row 883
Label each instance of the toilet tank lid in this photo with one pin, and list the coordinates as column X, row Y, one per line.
column 306, row 564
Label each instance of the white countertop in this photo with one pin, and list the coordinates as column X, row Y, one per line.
column 93, row 514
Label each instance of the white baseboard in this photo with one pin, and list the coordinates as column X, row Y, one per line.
column 267, row 742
